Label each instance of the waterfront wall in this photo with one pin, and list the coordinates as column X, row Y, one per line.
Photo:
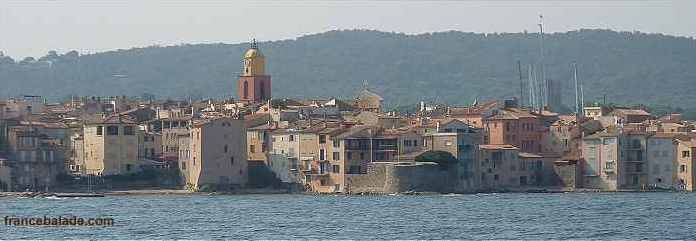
column 569, row 174
column 393, row 177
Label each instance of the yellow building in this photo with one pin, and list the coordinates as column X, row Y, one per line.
column 111, row 146
column 686, row 161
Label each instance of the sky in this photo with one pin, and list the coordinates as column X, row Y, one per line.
column 33, row 27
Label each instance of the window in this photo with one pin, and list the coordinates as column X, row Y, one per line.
column 231, row 161
column 246, row 87
column 349, row 156
column 183, row 165
column 336, row 168
column 362, row 156
column 322, row 139
column 225, row 148
column 100, row 130
column 686, row 154
column 252, row 148
column 336, row 156
column 291, row 138
column 682, row 168
column 263, row 91
column 609, row 165
column 354, row 170
column 128, row 167
column 112, row 130
column 322, row 155
column 128, row 130
column 336, row 143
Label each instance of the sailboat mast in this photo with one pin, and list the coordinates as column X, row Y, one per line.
column 577, row 104
column 519, row 70
column 542, row 71
column 582, row 99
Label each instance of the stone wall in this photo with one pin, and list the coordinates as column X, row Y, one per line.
column 393, row 177
column 569, row 174
column 372, row 182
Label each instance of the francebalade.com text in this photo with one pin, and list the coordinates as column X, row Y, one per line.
column 57, row 221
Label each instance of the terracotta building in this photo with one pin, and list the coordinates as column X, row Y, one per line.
column 514, row 126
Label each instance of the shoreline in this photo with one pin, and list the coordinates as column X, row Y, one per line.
column 183, row 192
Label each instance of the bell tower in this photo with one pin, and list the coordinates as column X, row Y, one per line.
column 254, row 84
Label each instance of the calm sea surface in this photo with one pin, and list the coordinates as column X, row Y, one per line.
column 481, row 216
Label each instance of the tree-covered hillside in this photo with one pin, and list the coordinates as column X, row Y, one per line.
column 451, row 67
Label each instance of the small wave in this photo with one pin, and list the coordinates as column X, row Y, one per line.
column 55, row 198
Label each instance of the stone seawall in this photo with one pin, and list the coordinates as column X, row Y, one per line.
column 395, row 177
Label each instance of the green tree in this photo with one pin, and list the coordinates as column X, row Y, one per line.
column 444, row 159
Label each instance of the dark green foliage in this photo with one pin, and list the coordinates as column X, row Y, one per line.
column 442, row 158
column 447, row 67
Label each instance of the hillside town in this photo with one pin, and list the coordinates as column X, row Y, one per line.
column 330, row 145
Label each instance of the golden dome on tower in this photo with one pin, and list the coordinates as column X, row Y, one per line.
column 254, row 61
column 253, row 53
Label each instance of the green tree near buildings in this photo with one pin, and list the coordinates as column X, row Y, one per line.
column 444, row 159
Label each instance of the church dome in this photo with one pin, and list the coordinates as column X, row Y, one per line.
column 253, row 53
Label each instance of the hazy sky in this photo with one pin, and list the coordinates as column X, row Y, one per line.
column 31, row 28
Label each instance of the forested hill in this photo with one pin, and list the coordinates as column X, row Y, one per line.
column 451, row 67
